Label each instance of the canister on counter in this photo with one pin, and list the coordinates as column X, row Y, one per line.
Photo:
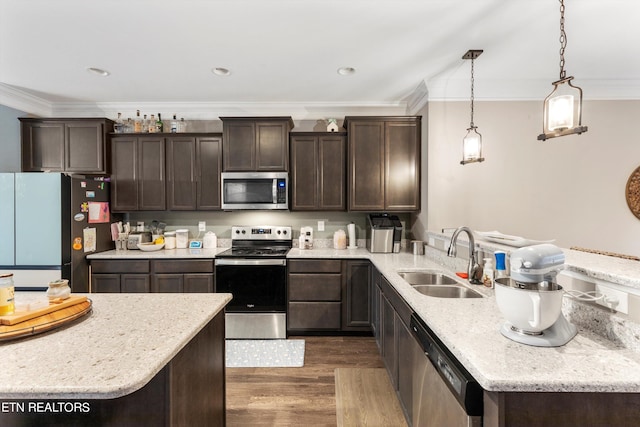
column 7, row 294
column 170, row 240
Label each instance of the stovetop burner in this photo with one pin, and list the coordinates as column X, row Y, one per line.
column 255, row 252
column 259, row 242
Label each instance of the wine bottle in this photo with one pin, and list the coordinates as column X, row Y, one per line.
column 152, row 124
column 182, row 127
column 174, row 125
column 145, row 124
column 159, row 124
column 137, row 123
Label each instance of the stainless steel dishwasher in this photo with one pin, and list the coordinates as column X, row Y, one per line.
column 444, row 393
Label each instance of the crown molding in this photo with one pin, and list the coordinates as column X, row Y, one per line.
column 18, row 99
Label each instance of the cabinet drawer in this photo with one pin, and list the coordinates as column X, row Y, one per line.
column 314, row 315
column 315, row 266
column 183, row 266
column 120, row 266
column 315, row 287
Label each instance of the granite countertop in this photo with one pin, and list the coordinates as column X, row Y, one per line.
column 161, row 254
column 470, row 328
column 119, row 348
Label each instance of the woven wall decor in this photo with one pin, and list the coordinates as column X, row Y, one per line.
column 633, row 192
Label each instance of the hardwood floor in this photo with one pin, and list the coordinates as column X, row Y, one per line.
column 297, row 396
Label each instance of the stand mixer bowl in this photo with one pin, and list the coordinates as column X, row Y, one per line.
column 530, row 308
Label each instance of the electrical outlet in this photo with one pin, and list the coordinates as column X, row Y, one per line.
column 613, row 298
column 202, row 226
column 320, row 225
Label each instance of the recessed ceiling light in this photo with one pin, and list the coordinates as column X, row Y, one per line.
column 221, row 71
column 346, row 71
column 98, row 71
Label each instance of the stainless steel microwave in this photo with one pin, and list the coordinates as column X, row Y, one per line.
column 255, row 190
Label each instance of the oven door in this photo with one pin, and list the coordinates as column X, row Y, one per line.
column 257, row 285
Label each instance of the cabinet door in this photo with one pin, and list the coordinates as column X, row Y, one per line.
column 124, row 174
column 313, row 316
column 85, row 147
column 42, row 146
column 172, row 283
column 408, row 351
column 209, row 167
column 389, row 344
column 332, row 173
column 151, row 176
column 181, row 173
column 304, row 173
column 105, row 283
column 402, row 163
column 198, row 283
column 272, row 146
column 135, row 283
column 356, row 300
column 239, row 146
column 366, row 165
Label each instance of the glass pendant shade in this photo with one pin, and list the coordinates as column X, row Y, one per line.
column 563, row 111
column 472, row 147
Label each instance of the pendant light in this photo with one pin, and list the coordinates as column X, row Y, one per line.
column 563, row 107
column 472, row 142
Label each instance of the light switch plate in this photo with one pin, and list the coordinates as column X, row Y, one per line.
column 320, row 225
column 202, row 225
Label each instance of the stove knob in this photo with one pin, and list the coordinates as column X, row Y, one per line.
column 278, row 232
column 237, row 231
column 244, row 231
column 284, row 232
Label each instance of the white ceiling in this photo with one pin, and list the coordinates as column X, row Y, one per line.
column 287, row 52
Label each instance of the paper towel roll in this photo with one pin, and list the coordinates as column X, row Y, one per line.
column 351, row 228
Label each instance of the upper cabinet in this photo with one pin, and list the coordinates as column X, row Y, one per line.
column 166, row 172
column 318, row 171
column 66, row 145
column 193, row 172
column 384, row 163
column 256, row 144
column 138, row 176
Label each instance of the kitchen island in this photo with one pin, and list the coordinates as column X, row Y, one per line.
column 152, row 359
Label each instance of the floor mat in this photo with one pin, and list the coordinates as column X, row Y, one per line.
column 265, row 353
column 365, row 397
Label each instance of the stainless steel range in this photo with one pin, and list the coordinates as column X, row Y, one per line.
column 254, row 270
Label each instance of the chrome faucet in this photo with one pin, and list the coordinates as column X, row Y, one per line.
column 473, row 269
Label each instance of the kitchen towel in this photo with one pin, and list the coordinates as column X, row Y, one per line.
column 264, row 353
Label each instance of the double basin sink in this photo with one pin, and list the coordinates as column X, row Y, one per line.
column 437, row 284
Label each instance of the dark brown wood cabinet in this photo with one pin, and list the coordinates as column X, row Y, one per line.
column 115, row 276
column 328, row 295
column 165, row 275
column 156, row 172
column 66, row 145
column 318, row 171
column 356, row 297
column 193, row 172
column 384, row 163
column 256, row 144
column 138, row 175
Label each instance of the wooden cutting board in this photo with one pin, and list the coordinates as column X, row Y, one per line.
column 20, row 316
column 47, row 321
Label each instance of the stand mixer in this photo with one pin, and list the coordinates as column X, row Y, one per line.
column 531, row 300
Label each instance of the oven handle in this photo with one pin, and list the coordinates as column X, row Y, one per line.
column 282, row 262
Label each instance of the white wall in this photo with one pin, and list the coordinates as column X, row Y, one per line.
column 10, row 139
column 571, row 189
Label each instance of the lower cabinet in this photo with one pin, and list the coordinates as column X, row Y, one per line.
column 328, row 295
column 392, row 316
column 167, row 275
